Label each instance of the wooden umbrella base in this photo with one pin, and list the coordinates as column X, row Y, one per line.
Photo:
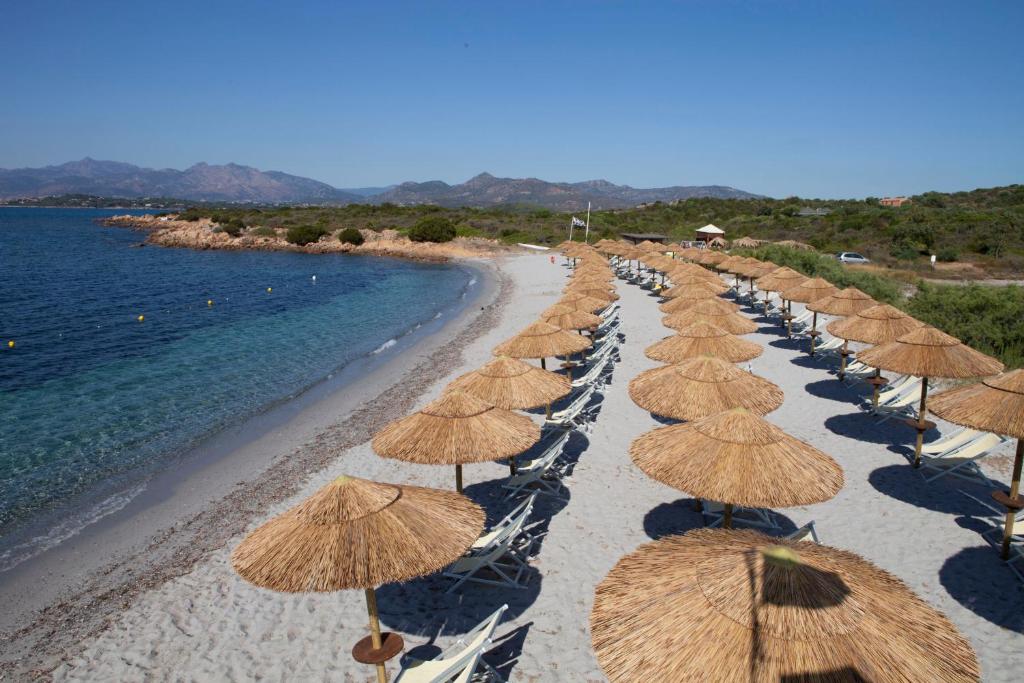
column 390, row 645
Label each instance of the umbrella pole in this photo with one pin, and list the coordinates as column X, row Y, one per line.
column 789, row 320
column 814, row 328
column 842, row 363
column 547, row 411
column 371, row 608
column 766, row 295
column 874, row 389
column 920, row 423
column 458, row 478
column 727, row 519
column 543, row 364
column 512, row 465
column 1014, row 490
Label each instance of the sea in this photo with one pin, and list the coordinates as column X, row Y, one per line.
column 115, row 357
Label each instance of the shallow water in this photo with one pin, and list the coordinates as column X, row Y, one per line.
column 92, row 398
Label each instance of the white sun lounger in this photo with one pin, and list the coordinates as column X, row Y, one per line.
column 831, row 346
column 513, row 523
column 576, row 412
column 593, row 373
column 501, row 558
column 462, row 661
column 955, row 439
column 961, row 462
column 542, row 474
column 805, row 533
column 801, row 319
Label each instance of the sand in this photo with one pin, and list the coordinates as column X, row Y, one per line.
column 209, row 625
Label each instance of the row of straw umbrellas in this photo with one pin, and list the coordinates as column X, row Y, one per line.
column 359, row 534
column 722, row 604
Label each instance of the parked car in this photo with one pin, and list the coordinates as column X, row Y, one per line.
column 851, row 257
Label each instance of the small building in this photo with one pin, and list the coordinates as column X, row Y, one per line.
column 637, row 237
column 894, row 201
column 709, row 232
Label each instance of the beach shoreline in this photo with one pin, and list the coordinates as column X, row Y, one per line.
column 61, row 598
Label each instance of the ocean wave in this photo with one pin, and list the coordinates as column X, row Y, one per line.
column 384, row 347
column 471, row 282
column 66, row 529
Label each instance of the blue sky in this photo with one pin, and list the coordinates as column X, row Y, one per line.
column 820, row 99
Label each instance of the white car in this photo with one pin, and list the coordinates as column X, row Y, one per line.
column 851, row 257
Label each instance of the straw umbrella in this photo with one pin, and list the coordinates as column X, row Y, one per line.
column 568, row 318
column 992, row 405
column 582, row 302
column 876, row 325
column 703, row 339
column 601, row 293
column 926, row 352
column 541, row 340
column 355, row 533
column 804, row 293
column 698, row 387
column 456, row 429
column 742, row 607
column 778, row 280
column 685, row 299
column 681, row 283
column 737, row 458
column 709, row 311
column 845, row 302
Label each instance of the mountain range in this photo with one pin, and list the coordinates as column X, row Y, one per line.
column 235, row 183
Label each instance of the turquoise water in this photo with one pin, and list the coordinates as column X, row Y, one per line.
column 91, row 398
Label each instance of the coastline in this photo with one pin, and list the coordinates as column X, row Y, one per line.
column 70, row 593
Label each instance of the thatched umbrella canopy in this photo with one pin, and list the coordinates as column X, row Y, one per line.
column 807, row 291
column 845, row 302
column 875, row 325
column 681, row 285
column 684, row 270
column 568, row 318
column 710, row 311
column 793, row 244
column 927, row 352
column 582, row 302
column 703, row 339
column 742, row 607
column 511, row 384
column 742, row 266
column 456, row 429
column 355, row 533
column 685, row 300
column 993, row 405
column 711, row 257
column 779, row 280
column 737, row 457
column 689, row 253
column 648, row 246
column 728, row 263
column 698, row 387
column 745, row 242
column 541, row 340
column 600, row 293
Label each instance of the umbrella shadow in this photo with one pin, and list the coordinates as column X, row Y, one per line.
column 682, row 515
column 863, row 426
column 789, row 343
column 978, row 579
column 904, row 483
column 833, row 390
column 805, row 360
column 422, row 608
column 662, row 419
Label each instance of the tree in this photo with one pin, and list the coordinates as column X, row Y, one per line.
column 351, row 236
column 432, row 229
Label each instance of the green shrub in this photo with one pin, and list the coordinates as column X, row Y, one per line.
column 263, row 231
column 903, row 251
column 233, row 227
column 432, row 229
column 948, row 254
column 463, row 230
column 351, row 236
column 190, row 215
column 304, row 234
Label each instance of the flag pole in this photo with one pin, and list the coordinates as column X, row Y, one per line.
column 586, row 238
column 572, row 223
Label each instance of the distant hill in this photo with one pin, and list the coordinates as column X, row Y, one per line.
column 234, row 183
column 487, row 190
column 201, row 182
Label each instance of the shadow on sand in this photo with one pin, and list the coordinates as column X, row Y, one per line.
column 863, row 426
column 833, row 390
column 904, row 483
column 682, row 515
column 980, row 581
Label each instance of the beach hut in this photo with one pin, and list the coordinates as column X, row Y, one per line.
column 698, row 387
column 807, row 291
column 709, row 232
column 714, row 312
column 875, row 325
column 456, row 429
column 927, row 352
column 737, row 457
column 703, row 339
column 355, row 533
column 742, row 607
column 541, row 340
column 993, row 405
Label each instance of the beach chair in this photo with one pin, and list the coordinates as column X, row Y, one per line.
column 805, row 533
column 997, row 518
column 462, row 662
column 542, row 475
column 801, row 319
column 501, row 559
column 961, row 461
column 903, row 404
column 594, row 372
column 714, row 516
column 831, row 346
column 955, row 439
column 576, row 412
column 611, row 309
column 896, row 390
column 513, row 523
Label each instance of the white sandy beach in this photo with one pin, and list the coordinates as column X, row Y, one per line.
column 210, row 625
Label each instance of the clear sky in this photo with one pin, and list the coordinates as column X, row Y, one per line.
column 820, row 99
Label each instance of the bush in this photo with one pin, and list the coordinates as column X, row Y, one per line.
column 948, row 254
column 190, row 215
column 903, row 251
column 351, row 236
column 233, row 227
column 304, row 234
column 263, row 231
column 432, row 229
